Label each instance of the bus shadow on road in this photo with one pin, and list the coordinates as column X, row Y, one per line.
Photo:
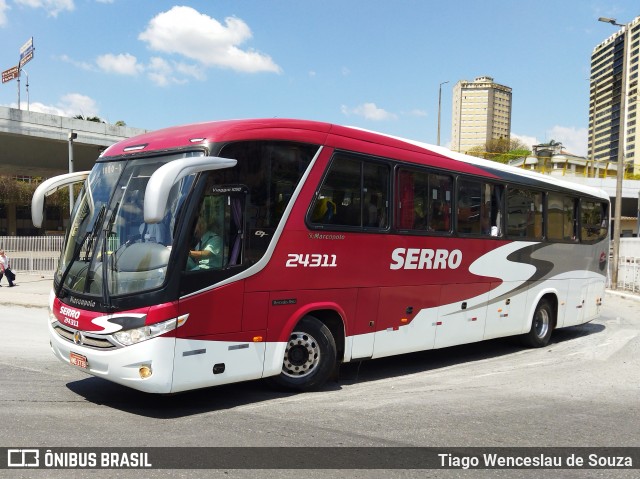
column 102, row 392
column 434, row 359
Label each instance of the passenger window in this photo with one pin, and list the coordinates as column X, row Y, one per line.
column 524, row 213
column 354, row 193
column 561, row 218
column 479, row 207
column 424, row 201
column 593, row 220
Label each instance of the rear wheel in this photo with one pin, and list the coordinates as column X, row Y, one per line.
column 309, row 358
column 541, row 326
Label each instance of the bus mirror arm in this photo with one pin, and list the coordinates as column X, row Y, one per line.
column 49, row 187
column 159, row 185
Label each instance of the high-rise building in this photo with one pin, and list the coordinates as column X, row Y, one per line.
column 604, row 98
column 481, row 112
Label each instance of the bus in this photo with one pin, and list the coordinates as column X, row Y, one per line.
column 227, row 251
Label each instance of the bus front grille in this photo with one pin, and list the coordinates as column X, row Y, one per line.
column 89, row 340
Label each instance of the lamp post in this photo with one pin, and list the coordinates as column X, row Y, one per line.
column 617, row 214
column 72, row 136
column 440, row 107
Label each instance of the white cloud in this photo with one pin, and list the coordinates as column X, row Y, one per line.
column 3, row 12
column 189, row 70
column 53, row 7
column 122, row 64
column 164, row 73
column 418, row 112
column 159, row 71
column 573, row 139
column 82, row 65
column 69, row 105
column 185, row 31
column 77, row 104
column 527, row 140
column 369, row 111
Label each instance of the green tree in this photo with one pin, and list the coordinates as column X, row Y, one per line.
column 500, row 150
column 95, row 119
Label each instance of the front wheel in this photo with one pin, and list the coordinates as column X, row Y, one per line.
column 309, row 358
column 541, row 326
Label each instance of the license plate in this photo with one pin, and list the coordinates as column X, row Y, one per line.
column 78, row 360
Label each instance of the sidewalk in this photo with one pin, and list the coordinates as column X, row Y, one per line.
column 32, row 291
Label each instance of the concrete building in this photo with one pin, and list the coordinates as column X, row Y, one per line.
column 605, row 95
column 35, row 146
column 481, row 112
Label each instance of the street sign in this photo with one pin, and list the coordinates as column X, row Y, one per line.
column 10, row 74
column 26, row 52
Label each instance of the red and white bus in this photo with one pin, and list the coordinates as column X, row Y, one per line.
column 325, row 244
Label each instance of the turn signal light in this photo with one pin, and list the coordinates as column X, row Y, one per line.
column 145, row 372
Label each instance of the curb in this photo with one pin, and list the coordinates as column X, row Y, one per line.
column 623, row 294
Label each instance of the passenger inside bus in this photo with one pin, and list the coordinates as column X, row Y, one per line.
column 207, row 253
column 324, row 211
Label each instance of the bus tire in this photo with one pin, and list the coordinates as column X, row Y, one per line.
column 309, row 359
column 541, row 326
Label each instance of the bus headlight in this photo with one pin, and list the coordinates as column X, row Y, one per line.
column 137, row 335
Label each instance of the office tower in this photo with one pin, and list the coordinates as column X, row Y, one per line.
column 481, row 112
column 605, row 97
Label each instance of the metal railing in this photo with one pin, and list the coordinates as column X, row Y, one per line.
column 32, row 254
column 629, row 274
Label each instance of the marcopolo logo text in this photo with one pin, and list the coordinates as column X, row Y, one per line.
column 425, row 258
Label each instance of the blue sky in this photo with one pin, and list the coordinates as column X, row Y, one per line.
column 369, row 63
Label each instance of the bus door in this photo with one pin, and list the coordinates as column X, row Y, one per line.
column 211, row 347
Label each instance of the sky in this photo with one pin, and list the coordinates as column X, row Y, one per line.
column 374, row 64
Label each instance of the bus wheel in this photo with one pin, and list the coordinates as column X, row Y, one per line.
column 310, row 357
column 541, row 326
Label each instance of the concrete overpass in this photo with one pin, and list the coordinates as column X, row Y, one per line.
column 36, row 144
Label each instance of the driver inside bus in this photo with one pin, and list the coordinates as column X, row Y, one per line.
column 207, row 253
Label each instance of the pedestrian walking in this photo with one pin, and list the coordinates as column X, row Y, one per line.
column 5, row 269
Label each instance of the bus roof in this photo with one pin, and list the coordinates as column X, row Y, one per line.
column 316, row 132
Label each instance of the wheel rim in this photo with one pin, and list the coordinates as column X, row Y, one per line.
column 541, row 325
column 301, row 356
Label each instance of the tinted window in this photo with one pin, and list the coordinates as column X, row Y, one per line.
column 524, row 213
column 593, row 220
column 423, row 201
column 561, row 217
column 354, row 194
column 268, row 173
column 479, row 207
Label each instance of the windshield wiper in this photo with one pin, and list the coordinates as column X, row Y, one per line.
column 89, row 238
column 107, row 232
column 76, row 254
column 94, row 232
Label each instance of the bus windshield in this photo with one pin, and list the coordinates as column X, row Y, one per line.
column 108, row 242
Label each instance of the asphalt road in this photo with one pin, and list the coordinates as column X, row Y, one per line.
column 583, row 390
